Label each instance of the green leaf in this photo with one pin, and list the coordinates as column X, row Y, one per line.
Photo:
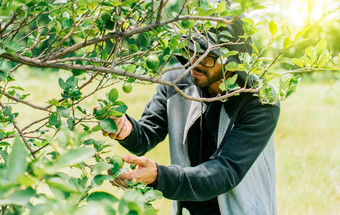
column 62, row 184
column 77, row 72
column 108, row 125
column 13, row 47
column 5, row 66
column 254, row 48
column 131, row 201
column 94, row 207
column 221, row 7
column 40, row 209
column 143, row 41
column 272, row 28
column 113, row 112
column 100, row 167
column 19, row 197
column 99, row 179
column 323, row 58
column 300, row 33
column 53, row 101
column 2, row 51
column 287, row 43
column 321, row 46
column 63, row 111
column 62, row 84
column 7, row 111
column 152, row 195
column 232, row 66
column 121, row 108
column 75, row 156
column 71, row 82
column 4, row 155
column 232, row 80
column 67, row 23
column 226, row 34
column 17, row 163
column 54, row 119
column 99, row 196
column 113, row 95
column 230, row 53
column 27, row 180
column 248, row 20
column 311, row 54
column 131, row 68
column 298, row 62
column 71, row 123
column 96, row 128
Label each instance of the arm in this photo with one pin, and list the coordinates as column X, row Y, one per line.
column 253, row 128
column 141, row 136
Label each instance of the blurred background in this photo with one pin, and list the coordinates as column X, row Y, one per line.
column 307, row 136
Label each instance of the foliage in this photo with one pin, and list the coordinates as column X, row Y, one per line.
column 101, row 43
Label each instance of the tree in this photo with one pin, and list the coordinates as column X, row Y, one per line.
column 104, row 42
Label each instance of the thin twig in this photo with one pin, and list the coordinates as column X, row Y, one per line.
column 130, row 33
column 10, row 22
column 21, row 134
column 24, row 102
column 35, row 122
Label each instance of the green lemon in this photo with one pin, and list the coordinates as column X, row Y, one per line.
column 127, row 87
column 187, row 23
column 152, row 62
column 99, row 113
column 117, row 160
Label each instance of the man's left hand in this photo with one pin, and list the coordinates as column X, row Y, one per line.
column 145, row 172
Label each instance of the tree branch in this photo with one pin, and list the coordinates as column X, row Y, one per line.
column 133, row 32
column 162, row 5
column 21, row 134
column 10, row 22
column 24, row 102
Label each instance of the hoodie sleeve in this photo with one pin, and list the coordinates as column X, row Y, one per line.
column 152, row 126
column 252, row 130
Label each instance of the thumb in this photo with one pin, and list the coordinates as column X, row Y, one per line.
column 131, row 159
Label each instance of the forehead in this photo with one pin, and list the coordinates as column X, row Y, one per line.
column 210, row 54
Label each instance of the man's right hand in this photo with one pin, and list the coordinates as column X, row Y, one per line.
column 124, row 127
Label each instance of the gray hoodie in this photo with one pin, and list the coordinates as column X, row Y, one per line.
column 241, row 173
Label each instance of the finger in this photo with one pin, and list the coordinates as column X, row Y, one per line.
column 113, row 135
column 105, row 133
column 122, row 132
column 127, row 176
column 119, row 183
column 119, row 121
column 131, row 159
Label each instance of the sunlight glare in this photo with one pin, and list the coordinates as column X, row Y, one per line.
column 297, row 11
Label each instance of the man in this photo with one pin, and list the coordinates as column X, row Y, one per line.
column 222, row 153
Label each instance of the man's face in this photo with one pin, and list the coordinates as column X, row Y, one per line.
column 205, row 76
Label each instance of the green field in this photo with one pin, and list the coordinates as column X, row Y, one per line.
column 307, row 142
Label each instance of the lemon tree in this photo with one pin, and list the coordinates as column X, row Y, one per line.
column 94, row 45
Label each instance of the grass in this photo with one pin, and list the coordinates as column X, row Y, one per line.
column 307, row 142
column 308, row 149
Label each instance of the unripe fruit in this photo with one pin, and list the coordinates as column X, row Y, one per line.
column 117, row 160
column 188, row 24
column 127, row 87
column 152, row 62
column 99, row 113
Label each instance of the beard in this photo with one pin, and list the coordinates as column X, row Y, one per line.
column 202, row 78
